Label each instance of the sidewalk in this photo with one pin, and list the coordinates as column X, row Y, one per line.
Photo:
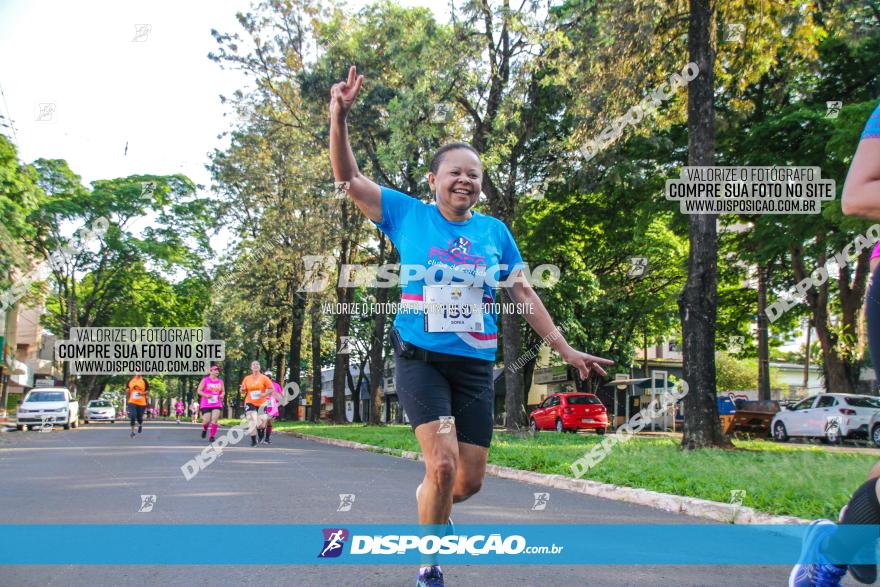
column 726, row 513
column 845, row 448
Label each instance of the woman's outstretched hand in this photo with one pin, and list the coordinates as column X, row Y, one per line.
column 585, row 363
column 343, row 94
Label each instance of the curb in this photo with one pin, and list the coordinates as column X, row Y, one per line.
column 691, row 506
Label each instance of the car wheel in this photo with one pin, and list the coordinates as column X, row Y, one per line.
column 559, row 427
column 533, row 426
column 75, row 423
column 600, row 431
column 113, row 421
column 779, row 432
column 832, row 436
column 875, row 435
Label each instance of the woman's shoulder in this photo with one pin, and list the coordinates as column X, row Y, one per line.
column 395, row 197
column 492, row 222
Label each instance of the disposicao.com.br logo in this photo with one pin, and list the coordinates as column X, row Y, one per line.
column 394, row 544
column 334, row 541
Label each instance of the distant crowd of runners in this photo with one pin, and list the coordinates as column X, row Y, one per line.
column 261, row 394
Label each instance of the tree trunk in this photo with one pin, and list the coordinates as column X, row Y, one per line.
column 515, row 416
column 230, row 388
column 833, row 366
column 698, row 302
column 344, row 295
column 377, row 349
column 295, row 348
column 841, row 373
column 763, row 337
column 315, row 318
column 279, row 356
column 341, row 363
column 528, row 371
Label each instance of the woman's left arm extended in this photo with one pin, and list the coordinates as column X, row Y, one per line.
column 522, row 293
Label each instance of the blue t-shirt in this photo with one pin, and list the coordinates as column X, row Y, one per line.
column 426, row 239
column 872, row 129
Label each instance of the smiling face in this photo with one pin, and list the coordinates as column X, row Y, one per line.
column 457, row 183
column 255, row 367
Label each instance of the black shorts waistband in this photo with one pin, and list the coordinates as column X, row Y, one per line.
column 408, row 350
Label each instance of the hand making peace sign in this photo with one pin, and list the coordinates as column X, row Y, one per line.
column 343, row 94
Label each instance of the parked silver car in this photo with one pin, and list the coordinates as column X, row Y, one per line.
column 100, row 410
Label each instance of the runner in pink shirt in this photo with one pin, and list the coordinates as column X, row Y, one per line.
column 272, row 406
column 211, row 393
column 179, row 409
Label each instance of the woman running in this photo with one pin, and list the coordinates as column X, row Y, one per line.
column 179, row 409
column 443, row 360
column 194, row 410
column 861, row 197
column 211, row 392
column 256, row 389
column 138, row 399
column 272, row 403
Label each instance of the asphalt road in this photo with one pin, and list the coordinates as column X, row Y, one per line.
column 96, row 474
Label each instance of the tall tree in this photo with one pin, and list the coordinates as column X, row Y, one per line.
column 698, row 302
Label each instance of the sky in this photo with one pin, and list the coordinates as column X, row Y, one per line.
column 82, row 79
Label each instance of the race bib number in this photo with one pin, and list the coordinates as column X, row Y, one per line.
column 271, row 402
column 453, row 308
column 213, row 399
column 135, row 395
column 255, row 395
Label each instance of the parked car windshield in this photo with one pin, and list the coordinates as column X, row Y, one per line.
column 100, row 404
column 583, row 399
column 46, row 396
column 863, row 402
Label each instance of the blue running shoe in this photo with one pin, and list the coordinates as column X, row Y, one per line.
column 430, row 577
column 816, row 574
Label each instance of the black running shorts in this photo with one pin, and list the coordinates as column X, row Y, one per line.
column 460, row 387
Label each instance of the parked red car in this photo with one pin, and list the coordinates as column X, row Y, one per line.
column 570, row 411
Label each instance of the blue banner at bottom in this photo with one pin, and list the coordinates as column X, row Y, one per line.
column 599, row 544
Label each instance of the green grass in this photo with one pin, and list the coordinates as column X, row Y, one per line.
column 797, row 480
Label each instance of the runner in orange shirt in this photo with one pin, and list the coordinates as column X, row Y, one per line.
column 256, row 389
column 138, row 399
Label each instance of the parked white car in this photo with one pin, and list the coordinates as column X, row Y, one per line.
column 874, row 429
column 100, row 410
column 48, row 406
column 828, row 416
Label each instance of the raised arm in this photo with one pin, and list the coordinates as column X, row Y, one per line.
column 364, row 192
column 861, row 192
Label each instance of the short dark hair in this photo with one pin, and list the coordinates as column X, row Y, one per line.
column 437, row 159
